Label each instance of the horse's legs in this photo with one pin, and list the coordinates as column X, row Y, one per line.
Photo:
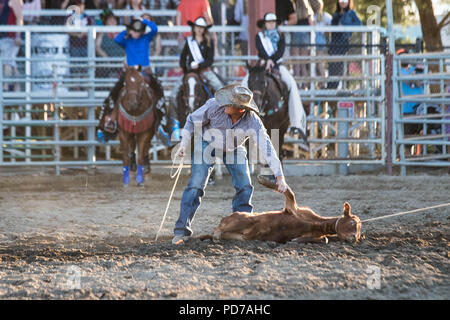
column 143, row 140
column 132, row 152
column 124, row 136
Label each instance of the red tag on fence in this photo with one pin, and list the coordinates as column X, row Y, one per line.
column 346, row 104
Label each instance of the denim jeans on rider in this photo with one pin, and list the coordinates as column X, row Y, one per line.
column 195, row 190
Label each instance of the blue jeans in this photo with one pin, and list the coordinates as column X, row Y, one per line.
column 195, row 190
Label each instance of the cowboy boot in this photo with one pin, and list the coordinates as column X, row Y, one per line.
column 126, row 176
column 140, row 176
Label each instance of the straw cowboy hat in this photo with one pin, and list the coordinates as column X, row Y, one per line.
column 237, row 96
column 199, row 22
column 269, row 16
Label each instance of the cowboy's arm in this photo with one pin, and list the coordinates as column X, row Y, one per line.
column 196, row 118
column 265, row 147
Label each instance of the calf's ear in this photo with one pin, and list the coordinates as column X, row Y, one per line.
column 347, row 209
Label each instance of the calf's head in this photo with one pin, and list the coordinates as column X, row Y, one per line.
column 348, row 227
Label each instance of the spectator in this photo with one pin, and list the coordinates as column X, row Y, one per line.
column 189, row 10
column 322, row 19
column 135, row 5
column 10, row 42
column 31, row 5
column 105, row 46
column 285, row 11
column 340, row 41
column 300, row 41
column 241, row 17
column 78, row 40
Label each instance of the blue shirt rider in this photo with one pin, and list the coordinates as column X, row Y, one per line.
column 137, row 47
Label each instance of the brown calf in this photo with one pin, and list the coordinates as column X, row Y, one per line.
column 295, row 223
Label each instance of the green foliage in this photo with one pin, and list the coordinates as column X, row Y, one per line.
column 404, row 11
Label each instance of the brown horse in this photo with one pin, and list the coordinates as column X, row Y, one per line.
column 135, row 111
column 192, row 95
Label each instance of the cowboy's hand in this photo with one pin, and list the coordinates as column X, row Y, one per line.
column 181, row 152
column 281, row 184
column 194, row 65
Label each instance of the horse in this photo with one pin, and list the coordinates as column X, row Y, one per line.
column 271, row 95
column 137, row 118
column 192, row 95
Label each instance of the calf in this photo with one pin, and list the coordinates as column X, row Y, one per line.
column 295, row 223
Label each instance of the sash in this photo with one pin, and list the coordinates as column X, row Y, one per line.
column 268, row 47
column 195, row 50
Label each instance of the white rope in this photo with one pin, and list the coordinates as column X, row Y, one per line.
column 406, row 212
column 177, row 174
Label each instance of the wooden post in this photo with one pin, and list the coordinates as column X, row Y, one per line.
column 256, row 10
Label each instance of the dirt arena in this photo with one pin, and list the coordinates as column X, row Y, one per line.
column 83, row 236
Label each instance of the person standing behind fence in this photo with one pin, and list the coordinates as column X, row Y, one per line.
column 189, row 10
column 241, row 17
column 301, row 41
column 10, row 42
column 340, row 41
column 105, row 46
column 322, row 19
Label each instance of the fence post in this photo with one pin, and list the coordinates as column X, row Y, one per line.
column 91, row 91
column 1, row 112
column 389, row 106
column 28, row 92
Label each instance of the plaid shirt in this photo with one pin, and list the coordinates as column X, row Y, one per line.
column 218, row 129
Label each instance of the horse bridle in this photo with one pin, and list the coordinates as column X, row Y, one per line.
column 138, row 92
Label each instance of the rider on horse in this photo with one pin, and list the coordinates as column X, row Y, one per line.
column 270, row 44
column 198, row 56
column 136, row 44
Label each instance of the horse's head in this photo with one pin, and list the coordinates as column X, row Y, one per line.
column 348, row 227
column 134, row 84
column 257, row 83
column 194, row 94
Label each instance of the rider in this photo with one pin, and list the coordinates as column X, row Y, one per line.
column 270, row 44
column 136, row 44
column 197, row 56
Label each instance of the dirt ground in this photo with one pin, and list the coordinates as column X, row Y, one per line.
column 84, row 236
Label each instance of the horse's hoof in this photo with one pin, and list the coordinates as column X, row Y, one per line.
column 141, row 185
column 126, row 185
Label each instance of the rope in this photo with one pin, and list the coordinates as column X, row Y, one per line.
column 177, row 175
column 406, row 212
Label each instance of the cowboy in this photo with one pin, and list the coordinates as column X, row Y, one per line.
column 226, row 122
column 270, row 44
column 137, row 46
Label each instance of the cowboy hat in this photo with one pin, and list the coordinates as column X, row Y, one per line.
column 236, row 96
column 136, row 25
column 199, row 22
column 269, row 16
